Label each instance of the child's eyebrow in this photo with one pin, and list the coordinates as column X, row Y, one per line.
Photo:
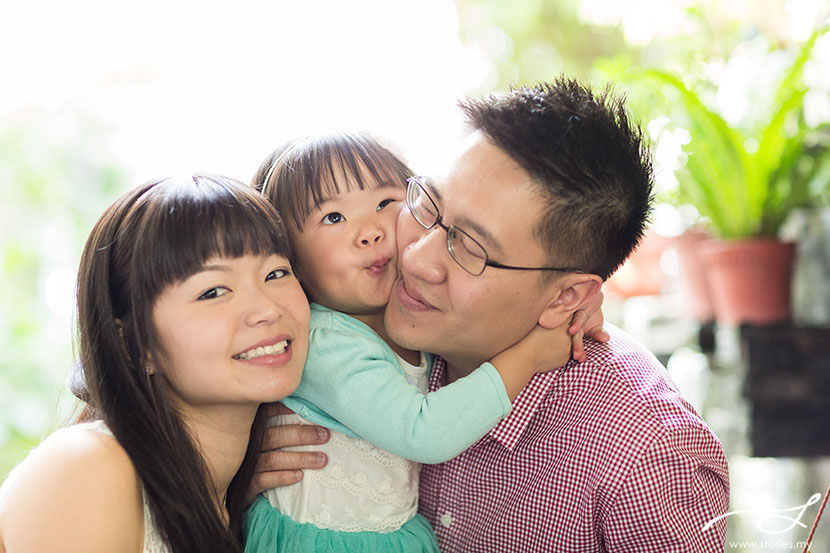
column 318, row 205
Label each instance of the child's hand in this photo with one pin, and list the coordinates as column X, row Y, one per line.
column 277, row 468
column 541, row 350
column 588, row 318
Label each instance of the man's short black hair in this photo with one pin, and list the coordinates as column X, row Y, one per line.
column 590, row 162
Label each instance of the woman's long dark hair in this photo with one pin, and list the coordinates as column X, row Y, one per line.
column 155, row 235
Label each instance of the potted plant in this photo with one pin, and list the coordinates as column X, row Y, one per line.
column 745, row 184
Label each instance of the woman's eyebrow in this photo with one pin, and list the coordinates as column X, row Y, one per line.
column 212, row 267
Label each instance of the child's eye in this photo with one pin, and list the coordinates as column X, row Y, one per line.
column 213, row 293
column 333, row 218
column 385, row 202
column 277, row 273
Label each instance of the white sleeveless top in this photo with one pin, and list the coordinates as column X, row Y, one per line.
column 152, row 540
column 362, row 488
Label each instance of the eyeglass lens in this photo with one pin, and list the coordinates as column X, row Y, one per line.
column 463, row 248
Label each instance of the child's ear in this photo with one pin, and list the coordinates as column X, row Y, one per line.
column 574, row 291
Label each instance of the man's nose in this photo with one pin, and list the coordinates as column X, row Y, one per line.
column 424, row 254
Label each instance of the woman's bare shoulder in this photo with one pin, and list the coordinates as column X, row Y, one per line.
column 77, row 490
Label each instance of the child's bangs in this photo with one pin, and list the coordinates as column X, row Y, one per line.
column 325, row 167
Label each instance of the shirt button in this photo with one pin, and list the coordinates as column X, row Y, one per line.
column 446, row 520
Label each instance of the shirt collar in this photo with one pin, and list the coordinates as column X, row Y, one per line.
column 508, row 431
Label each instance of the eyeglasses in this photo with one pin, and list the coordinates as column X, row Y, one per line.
column 464, row 249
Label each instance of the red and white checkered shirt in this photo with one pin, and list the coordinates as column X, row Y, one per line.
column 602, row 455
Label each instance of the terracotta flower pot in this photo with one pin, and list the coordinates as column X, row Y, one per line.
column 692, row 278
column 749, row 280
column 641, row 274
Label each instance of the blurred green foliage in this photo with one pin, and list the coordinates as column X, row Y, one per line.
column 746, row 179
column 534, row 40
column 56, row 178
column 726, row 85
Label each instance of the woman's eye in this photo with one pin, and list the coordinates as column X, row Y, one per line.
column 333, row 218
column 277, row 273
column 385, row 202
column 214, row 293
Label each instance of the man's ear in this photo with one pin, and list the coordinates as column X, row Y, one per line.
column 575, row 290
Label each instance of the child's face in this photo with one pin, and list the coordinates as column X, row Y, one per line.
column 347, row 249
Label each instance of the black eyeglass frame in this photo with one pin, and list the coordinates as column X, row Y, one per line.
column 416, row 181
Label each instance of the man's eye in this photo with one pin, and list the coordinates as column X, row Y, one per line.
column 385, row 202
column 214, row 293
column 333, row 218
column 422, row 205
column 277, row 273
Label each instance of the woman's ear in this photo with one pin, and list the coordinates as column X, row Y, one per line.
column 574, row 291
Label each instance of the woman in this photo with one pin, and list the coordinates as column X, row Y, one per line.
column 189, row 318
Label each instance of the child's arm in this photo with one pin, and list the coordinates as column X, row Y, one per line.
column 535, row 353
column 357, row 381
column 277, row 468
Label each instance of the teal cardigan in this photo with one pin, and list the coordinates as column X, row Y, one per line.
column 353, row 383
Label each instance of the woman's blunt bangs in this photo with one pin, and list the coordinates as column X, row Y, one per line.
column 188, row 220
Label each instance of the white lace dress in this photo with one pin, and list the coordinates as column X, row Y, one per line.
column 362, row 488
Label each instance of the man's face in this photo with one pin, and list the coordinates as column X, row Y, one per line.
column 436, row 305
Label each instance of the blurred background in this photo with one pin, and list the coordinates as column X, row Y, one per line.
column 734, row 96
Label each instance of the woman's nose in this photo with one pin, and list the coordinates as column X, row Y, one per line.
column 262, row 309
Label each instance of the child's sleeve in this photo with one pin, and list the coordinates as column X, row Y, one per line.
column 357, row 381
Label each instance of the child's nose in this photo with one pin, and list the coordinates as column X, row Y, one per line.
column 371, row 235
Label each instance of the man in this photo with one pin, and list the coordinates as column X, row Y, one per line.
column 548, row 195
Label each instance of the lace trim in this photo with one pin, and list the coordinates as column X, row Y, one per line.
column 351, row 522
column 358, row 485
column 366, row 451
column 152, row 540
column 358, row 475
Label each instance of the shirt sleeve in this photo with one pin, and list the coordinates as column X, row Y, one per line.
column 678, row 487
column 358, row 382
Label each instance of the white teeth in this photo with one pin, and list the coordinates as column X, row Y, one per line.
column 253, row 353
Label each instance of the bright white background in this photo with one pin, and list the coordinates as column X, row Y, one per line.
column 187, row 86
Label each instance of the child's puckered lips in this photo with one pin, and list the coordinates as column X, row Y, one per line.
column 378, row 266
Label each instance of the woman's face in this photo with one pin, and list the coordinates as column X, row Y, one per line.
column 235, row 332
